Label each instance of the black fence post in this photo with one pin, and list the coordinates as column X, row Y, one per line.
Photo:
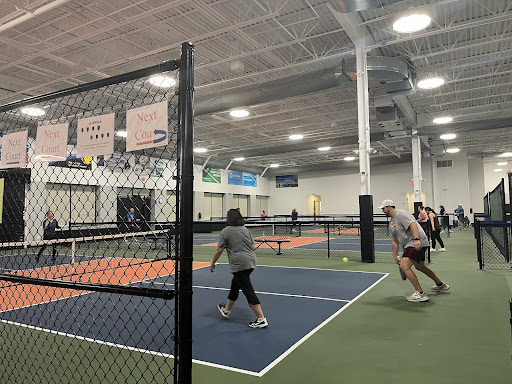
column 186, row 136
column 328, row 240
column 367, row 232
column 510, row 304
column 478, row 235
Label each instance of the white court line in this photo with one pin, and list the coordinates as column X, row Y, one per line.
column 228, row 368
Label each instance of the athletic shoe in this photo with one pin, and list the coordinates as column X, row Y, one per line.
column 442, row 231
column 442, row 249
column 259, row 323
column 433, row 250
column 440, row 288
column 223, row 311
column 416, row 297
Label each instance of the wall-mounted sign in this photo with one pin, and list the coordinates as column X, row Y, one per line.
column 95, row 136
column 250, row 179
column 235, row 177
column 211, row 175
column 287, row 181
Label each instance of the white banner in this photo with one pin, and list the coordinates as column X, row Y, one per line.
column 95, row 136
column 51, row 142
column 14, row 150
column 146, row 127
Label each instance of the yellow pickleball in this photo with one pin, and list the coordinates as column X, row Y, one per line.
column 345, row 259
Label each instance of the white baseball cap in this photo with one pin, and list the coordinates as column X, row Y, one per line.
column 387, row 203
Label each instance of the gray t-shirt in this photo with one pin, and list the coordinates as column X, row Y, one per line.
column 400, row 229
column 238, row 242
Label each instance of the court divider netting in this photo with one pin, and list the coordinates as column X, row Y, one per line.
column 94, row 224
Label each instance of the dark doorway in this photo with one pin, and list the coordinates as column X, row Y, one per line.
column 142, row 208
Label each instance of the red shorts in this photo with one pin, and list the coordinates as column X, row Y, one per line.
column 415, row 255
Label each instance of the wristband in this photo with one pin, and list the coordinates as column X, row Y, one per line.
column 415, row 239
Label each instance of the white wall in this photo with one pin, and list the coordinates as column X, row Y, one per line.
column 262, row 189
column 339, row 190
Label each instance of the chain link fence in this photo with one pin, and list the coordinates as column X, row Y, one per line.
column 492, row 238
column 91, row 227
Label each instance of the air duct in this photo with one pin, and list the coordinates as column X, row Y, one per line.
column 347, row 6
column 391, row 72
column 271, row 91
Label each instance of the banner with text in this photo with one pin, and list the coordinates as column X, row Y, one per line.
column 14, row 150
column 51, row 142
column 95, row 136
column 211, row 175
column 287, row 181
column 146, row 127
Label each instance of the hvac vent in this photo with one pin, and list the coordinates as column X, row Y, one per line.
column 444, row 163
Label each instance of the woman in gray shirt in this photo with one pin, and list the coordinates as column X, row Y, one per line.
column 238, row 241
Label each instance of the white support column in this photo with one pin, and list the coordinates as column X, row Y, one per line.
column 363, row 112
column 416, row 167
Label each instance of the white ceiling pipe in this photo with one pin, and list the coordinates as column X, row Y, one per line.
column 30, row 15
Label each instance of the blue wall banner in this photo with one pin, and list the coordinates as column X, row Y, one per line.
column 250, row 180
column 235, row 177
column 287, row 181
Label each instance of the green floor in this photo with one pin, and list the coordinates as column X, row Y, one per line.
column 460, row 337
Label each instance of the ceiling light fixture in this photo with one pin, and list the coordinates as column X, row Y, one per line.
column 506, row 154
column 323, row 149
column 239, row 159
column 239, row 113
column 349, row 158
column 121, row 133
column 497, row 170
column 502, row 163
column 162, row 81
column 448, row 136
column 430, row 83
column 33, row 111
column 296, row 137
column 200, row 150
column 443, row 120
column 453, row 150
column 274, row 165
column 411, row 23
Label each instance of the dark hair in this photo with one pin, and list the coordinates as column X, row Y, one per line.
column 421, row 207
column 234, row 218
column 441, row 206
column 430, row 210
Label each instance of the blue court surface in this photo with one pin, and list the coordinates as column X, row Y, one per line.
column 296, row 301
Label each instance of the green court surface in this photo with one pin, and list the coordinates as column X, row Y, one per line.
column 460, row 337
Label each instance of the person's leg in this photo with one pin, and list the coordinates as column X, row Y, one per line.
column 40, row 252
column 405, row 265
column 438, row 237
column 233, row 292
column 434, row 239
column 244, row 281
column 420, row 266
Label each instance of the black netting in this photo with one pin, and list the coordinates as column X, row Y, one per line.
column 90, row 234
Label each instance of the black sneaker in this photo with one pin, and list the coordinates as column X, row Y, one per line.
column 259, row 323
column 223, row 311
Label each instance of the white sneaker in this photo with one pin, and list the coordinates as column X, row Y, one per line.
column 259, row 323
column 223, row 311
column 417, row 297
column 439, row 288
column 442, row 231
column 442, row 249
column 433, row 250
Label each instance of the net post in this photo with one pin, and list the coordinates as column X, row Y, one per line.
column 186, row 171
column 328, row 241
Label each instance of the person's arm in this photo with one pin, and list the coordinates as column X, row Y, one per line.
column 415, row 235
column 216, row 256
column 394, row 247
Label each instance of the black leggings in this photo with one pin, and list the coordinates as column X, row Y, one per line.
column 241, row 280
column 54, row 247
column 436, row 236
